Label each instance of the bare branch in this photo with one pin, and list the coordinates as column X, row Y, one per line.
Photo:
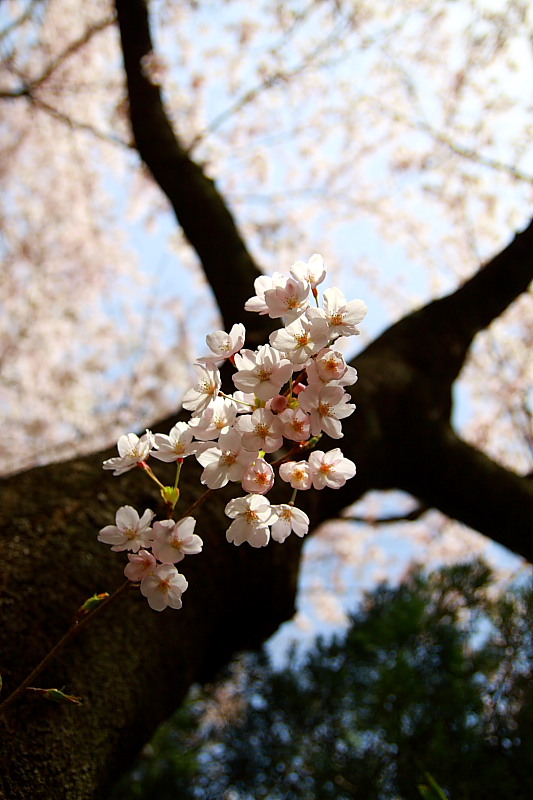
column 66, row 119
column 418, row 124
column 31, row 85
column 451, row 475
column 449, row 325
column 200, row 209
column 23, row 17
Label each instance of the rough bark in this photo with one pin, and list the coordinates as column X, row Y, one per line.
column 132, row 666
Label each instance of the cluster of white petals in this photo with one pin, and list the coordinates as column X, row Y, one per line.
column 224, row 345
column 132, row 451
column 177, row 444
column 160, row 582
column 288, row 394
column 130, row 532
column 262, row 373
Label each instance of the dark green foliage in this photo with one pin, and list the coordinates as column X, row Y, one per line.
column 427, row 695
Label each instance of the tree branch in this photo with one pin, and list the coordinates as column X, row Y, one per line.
column 200, row 209
column 31, row 85
column 451, row 475
column 450, row 324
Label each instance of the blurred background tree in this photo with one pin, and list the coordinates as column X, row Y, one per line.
column 428, row 690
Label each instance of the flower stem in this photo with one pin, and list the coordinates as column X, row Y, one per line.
column 178, row 472
column 239, row 402
column 75, row 627
column 143, row 465
column 197, row 503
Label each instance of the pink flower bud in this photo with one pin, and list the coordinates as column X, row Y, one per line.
column 279, row 403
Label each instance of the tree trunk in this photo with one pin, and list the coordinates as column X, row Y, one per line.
column 131, row 665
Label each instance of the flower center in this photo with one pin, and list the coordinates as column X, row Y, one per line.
column 208, row 388
column 302, row 339
column 324, row 409
column 261, row 430
column 292, row 302
column 337, row 319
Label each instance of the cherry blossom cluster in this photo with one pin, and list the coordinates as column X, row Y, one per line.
column 288, row 393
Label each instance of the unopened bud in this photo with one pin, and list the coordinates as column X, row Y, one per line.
column 91, row 603
column 56, row 695
column 278, row 403
column 170, row 495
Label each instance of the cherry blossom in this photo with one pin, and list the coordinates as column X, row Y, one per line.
column 297, row 473
column 261, row 285
column 249, row 424
column 226, row 461
column 330, row 365
column 320, row 378
column 206, row 390
column 130, row 532
column 327, row 407
column 296, row 424
column 178, row 443
column 245, row 401
column 313, row 271
column 263, row 372
column 289, row 519
column 224, row 345
column 172, row 541
column 132, row 450
column 251, row 517
column 261, row 430
column 288, row 300
column 140, row 565
column 215, row 420
column 301, row 339
column 258, row 477
column 342, row 316
column 164, row 587
column 330, row 469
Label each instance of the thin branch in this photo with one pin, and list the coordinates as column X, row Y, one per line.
column 79, row 126
column 23, row 17
column 269, row 82
column 34, row 83
column 443, row 138
column 72, row 631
